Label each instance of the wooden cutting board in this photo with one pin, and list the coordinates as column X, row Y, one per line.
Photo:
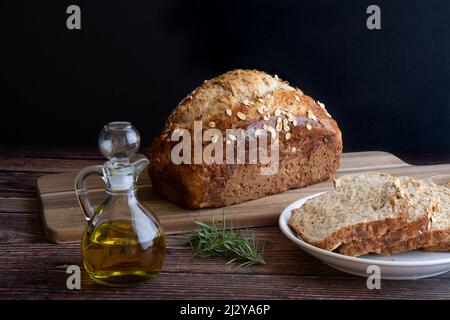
column 64, row 222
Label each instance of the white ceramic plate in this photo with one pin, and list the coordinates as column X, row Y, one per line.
column 414, row 264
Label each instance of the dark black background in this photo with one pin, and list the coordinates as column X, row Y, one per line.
column 389, row 89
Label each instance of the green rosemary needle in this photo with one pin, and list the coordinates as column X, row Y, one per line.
column 235, row 245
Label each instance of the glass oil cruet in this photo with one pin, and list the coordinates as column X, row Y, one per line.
column 123, row 242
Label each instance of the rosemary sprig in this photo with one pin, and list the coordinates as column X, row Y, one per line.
column 235, row 245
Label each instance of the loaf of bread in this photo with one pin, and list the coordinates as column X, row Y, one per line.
column 364, row 206
column 309, row 140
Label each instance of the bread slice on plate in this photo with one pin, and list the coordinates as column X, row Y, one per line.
column 421, row 204
column 437, row 235
column 361, row 206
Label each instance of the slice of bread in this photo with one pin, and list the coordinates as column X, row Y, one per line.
column 361, row 206
column 420, row 206
column 437, row 234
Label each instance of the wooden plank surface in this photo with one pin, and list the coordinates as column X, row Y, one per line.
column 33, row 268
column 64, row 221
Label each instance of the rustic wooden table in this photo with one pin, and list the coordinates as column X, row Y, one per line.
column 33, row 268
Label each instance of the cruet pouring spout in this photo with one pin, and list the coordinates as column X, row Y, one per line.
column 139, row 162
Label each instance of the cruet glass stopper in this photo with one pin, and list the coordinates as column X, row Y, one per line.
column 119, row 141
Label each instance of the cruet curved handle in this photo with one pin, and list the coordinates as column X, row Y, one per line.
column 82, row 191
